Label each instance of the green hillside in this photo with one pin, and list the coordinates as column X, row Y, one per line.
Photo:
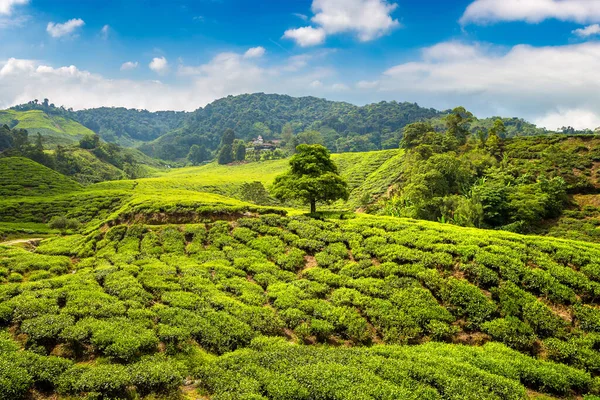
column 21, row 177
column 54, row 128
column 268, row 306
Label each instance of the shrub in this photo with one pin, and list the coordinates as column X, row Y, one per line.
column 156, row 374
column 15, row 277
column 469, row 301
column 46, row 327
column 109, row 380
column 510, row 331
column 14, row 381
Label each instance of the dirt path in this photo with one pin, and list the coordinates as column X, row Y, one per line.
column 31, row 241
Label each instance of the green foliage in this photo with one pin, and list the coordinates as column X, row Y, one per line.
column 198, row 154
column 313, row 178
column 339, row 126
column 23, row 177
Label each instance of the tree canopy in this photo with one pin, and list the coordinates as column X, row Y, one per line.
column 313, row 177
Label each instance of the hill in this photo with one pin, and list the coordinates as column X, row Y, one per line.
column 56, row 129
column 21, row 177
column 129, row 127
column 343, row 126
column 252, row 304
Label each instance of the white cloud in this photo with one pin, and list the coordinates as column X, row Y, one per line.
column 316, row 84
column 367, row 19
column 579, row 119
column 523, row 81
column 588, row 31
column 105, row 31
column 306, row 36
column 453, row 50
column 532, row 11
column 160, row 65
column 255, row 52
column 129, row 65
column 193, row 86
column 59, row 30
column 6, row 6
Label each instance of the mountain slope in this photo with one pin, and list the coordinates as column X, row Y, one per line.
column 55, row 129
column 264, row 306
column 343, row 126
column 20, row 177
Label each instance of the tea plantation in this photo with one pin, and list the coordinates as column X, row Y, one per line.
column 217, row 299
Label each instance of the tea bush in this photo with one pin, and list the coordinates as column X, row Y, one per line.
column 141, row 307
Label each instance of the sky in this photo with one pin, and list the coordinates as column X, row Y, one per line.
column 534, row 59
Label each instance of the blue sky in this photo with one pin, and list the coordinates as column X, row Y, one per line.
column 535, row 59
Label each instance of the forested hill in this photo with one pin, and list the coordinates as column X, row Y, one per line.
column 127, row 127
column 340, row 126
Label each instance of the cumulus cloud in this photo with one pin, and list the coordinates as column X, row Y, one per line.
column 579, row 119
column 6, row 6
column 60, row 30
column 367, row 19
column 193, row 87
column 160, row 65
column 255, row 52
column 588, row 31
column 532, row 11
column 129, row 65
column 524, row 80
column 306, row 36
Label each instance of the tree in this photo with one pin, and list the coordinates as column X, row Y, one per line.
column 239, row 150
column 494, row 141
column 226, row 150
column 414, row 133
column 498, row 129
column 457, row 124
column 228, row 137
column 310, row 137
column 225, row 154
column 313, row 177
column 198, row 154
column 89, row 142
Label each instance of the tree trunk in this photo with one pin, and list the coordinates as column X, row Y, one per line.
column 313, row 206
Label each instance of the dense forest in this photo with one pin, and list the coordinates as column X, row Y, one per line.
column 341, row 127
column 116, row 124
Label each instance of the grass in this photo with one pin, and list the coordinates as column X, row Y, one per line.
column 34, row 120
column 21, row 177
column 17, row 230
column 56, row 129
column 369, row 175
column 171, row 278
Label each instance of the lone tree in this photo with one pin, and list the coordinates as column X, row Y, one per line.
column 226, row 150
column 313, row 178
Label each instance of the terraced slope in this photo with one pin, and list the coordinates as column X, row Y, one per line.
column 369, row 175
column 21, row 177
column 251, row 306
column 56, row 129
